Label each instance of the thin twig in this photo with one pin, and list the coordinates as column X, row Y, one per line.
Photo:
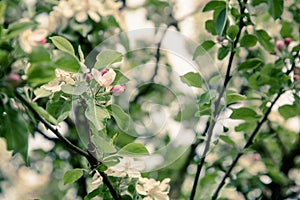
column 254, row 133
column 217, row 104
column 249, row 142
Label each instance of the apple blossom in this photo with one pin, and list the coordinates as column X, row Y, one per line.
column 118, row 89
column 29, row 39
column 126, row 167
column 105, row 78
column 152, row 189
column 62, row 77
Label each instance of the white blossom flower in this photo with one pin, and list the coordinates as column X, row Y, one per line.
column 62, row 77
column 126, row 167
column 105, row 78
column 30, row 39
column 97, row 178
column 152, row 189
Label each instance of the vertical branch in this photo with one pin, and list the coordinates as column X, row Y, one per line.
column 217, row 102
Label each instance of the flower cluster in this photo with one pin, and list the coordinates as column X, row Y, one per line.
column 149, row 188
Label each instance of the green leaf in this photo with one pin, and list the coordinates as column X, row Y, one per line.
column 102, row 167
column 234, row 97
column 39, row 54
column 17, row 28
column 192, row 79
column 286, row 29
column 226, row 139
column 107, row 57
column 289, row 111
column 264, row 39
column 204, row 98
column 63, row 44
column 222, row 52
column 203, row 48
column 210, row 26
column 59, row 108
column 74, row 89
column 275, row 8
column 250, row 64
column 232, row 31
column 122, row 119
column 221, row 21
column 14, row 129
column 248, row 41
column 66, row 61
column 40, row 73
column 296, row 48
column 120, row 78
column 42, row 112
column 41, row 92
column 93, row 194
column 2, row 11
column 245, row 127
column 214, row 5
column 244, row 113
column 72, row 175
column 103, row 145
column 133, row 149
column 96, row 114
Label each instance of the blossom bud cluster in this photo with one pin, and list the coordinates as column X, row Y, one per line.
column 281, row 44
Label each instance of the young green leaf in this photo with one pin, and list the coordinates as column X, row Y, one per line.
column 63, row 44
column 244, row 113
column 234, row 98
column 74, row 90
column 122, row 119
column 286, row 29
column 120, row 78
column 42, row 112
column 249, row 64
column 275, row 8
column 17, row 28
column 221, row 22
column 214, row 5
column 96, row 114
column 289, row 111
column 192, row 79
column 40, row 73
column 14, row 129
column 66, row 61
column 72, row 175
column 248, row 41
column 264, row 39
column 223, row 52
column 107, row 57
column 232, row 31
column 134, row 149
column 203, row 48
column 226, row 139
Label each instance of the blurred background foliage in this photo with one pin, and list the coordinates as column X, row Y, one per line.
column 263, row 67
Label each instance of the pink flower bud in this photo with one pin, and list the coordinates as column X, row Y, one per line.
column 88, row 77
column 118, row 89
column 104, row 72
column 280, row 45
column 296, row 77
column 296, row 70
column 287, row 41
column 14, row 79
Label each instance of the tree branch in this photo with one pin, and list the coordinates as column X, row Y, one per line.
column 217, row 103
column 254, row 133
column 92, row 160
